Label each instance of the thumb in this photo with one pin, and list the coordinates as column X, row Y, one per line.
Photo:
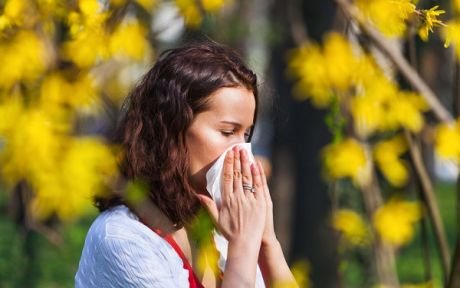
column 210, row 205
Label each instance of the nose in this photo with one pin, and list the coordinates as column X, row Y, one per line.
column 238, row 140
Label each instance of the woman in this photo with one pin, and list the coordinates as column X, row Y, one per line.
column 195, row 102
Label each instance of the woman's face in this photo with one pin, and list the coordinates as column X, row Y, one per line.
column 228, row 121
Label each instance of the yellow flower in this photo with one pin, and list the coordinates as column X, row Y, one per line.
column 57, row 91
column 11, row 111
column 84, row 169
column 89, row 7
column 323, row 73
column 369, row 106
column 368, row 115
column 386, row 155
column 5, row 23
column 351, row 226
column 52, row 8
column 89, row 40
column 339, row 60
column 212, row 5
column 448, row 141
column 429, row 20
column 31, row 147
column 190, row 12
column 395, row 221
column 307, row 64
column 451, row 33
column 23, row 59
column 405, row 111
column 129, row 40
column 20, row 13
column 380, row 106
column 389, row 16
column 347, row 159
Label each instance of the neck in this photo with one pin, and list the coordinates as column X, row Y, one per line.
column 152, row 216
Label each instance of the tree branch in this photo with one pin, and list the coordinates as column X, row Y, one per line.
column 431, row 203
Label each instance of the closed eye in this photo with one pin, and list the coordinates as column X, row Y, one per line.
column 227, row 133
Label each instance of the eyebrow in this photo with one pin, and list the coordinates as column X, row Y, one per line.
column 235, row 123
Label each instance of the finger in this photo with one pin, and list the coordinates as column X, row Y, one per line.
column 237, row 182
column 210, row 206
column 262, row 174
column 245, row 170
column 264, row 181
column 228, row 175
column 257, row 181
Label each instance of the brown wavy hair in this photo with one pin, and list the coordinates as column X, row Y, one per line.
column 160, row 109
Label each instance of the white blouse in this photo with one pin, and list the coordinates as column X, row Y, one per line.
column 120, row 251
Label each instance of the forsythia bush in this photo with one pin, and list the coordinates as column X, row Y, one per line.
column 60, row 61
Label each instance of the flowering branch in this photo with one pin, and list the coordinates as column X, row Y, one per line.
column 398, row 59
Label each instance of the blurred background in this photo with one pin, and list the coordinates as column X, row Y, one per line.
column 341, row 204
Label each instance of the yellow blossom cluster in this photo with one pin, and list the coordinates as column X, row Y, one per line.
column 347, row 158
column 389, row 16
column 63, row 171
column 56, row 89
column 429, row 21
column 86, row 169
column 386, row 155
column 394, row 221
column 193, row 10
column 24, row 58
column 323, row 72
column 447, row 141
column 91, row 42
column 48, row 77
column 451, row 34
column 18, row 13
column 350, row 159
column 351, row 226
column 375, row 101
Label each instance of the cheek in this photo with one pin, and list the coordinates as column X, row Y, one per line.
column 205, row 150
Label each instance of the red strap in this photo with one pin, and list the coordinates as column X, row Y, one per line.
column 192, row 279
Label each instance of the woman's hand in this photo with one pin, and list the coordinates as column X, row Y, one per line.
column 245, row 218
column 242, row 214
column 268, row 237
column 240, row 218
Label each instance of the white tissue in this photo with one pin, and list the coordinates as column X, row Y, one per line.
column 213, row 185
column 214, row 174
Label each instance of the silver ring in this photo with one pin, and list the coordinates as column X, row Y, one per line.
column 249, row 187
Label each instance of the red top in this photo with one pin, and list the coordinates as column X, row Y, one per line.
column 192, row 279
